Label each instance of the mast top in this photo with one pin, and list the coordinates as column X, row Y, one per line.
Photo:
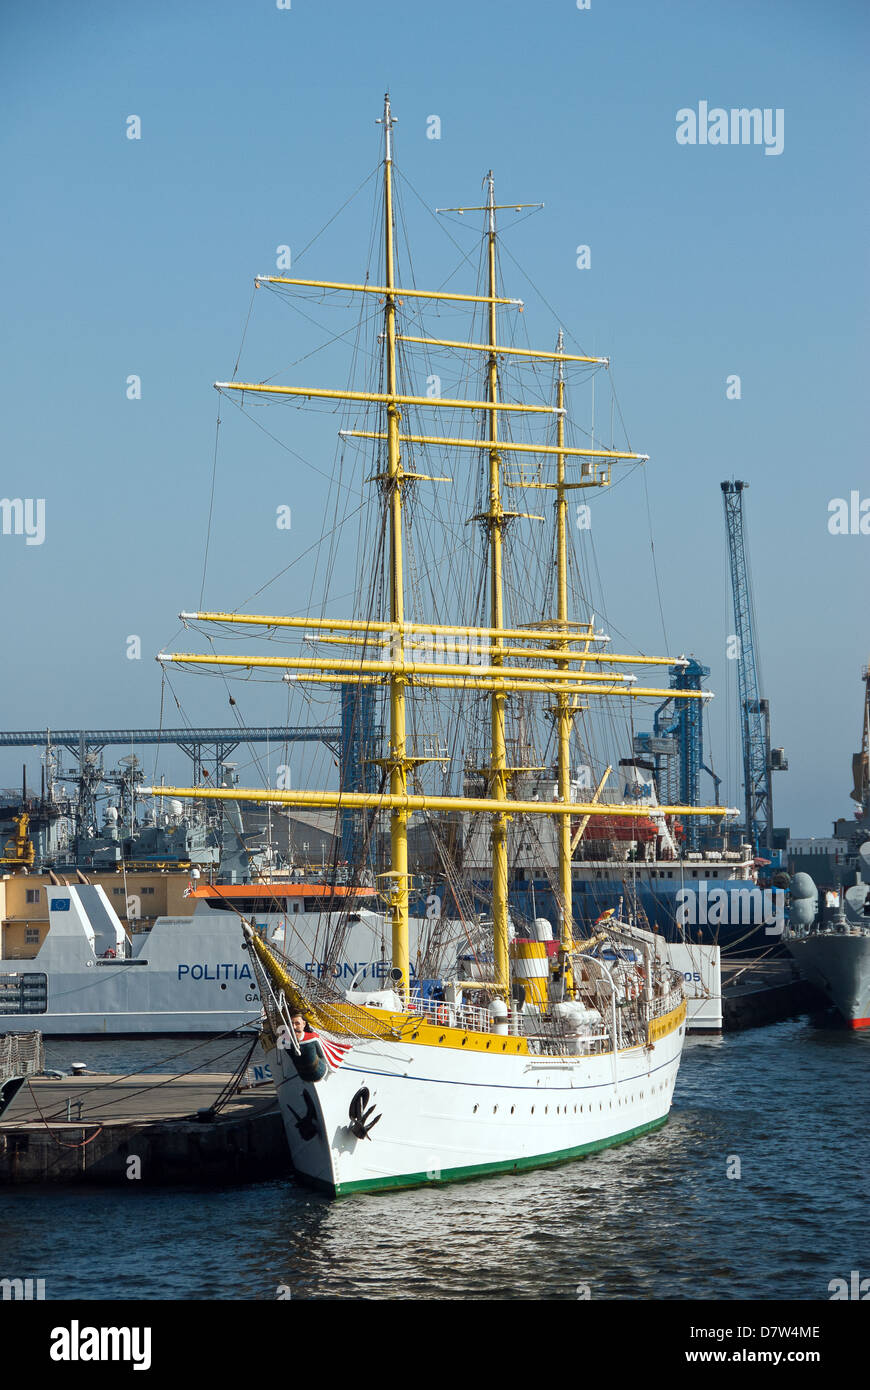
column 388, row 120
column 490, row 200
column 491, row 206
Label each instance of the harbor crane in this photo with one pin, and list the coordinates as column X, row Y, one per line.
column 759, row 759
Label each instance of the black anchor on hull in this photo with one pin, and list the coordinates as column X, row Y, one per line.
column 360, row 1122
column 307, row 1123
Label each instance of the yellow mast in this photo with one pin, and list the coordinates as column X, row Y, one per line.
column 564, row 706
column 495, row 522
column 397, row 760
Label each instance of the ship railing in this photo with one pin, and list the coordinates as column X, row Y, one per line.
column 544, row 1036
column 470, row 1017
column 547, row 1035
column 657, row 1008
column 630, row 1033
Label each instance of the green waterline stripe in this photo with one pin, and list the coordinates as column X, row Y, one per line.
column 480, row 1170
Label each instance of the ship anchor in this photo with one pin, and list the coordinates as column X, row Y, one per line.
column 360, row 1123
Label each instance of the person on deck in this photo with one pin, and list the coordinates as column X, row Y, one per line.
column 310, row 1061
column 299, row 1024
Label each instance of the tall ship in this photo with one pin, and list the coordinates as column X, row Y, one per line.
column 513, row 1050
column 829, row 941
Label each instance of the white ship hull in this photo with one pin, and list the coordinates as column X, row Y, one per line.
column 451, row 1110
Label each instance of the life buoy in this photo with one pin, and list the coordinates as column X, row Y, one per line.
column 442, row 1014
column 109, row 955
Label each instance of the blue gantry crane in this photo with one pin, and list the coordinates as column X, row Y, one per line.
column 676, row 747
column 759, row 761
column 358, row 769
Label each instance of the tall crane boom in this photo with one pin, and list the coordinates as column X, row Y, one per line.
column 754, row 711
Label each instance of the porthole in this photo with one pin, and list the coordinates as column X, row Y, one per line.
column 495, row 1110
column 513, row 1107
column 474, row 1111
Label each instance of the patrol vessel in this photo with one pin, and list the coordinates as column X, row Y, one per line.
column 834, row 953
column 185, row 974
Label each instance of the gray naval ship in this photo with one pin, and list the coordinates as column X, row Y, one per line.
column 106, row 824
column 833, row 952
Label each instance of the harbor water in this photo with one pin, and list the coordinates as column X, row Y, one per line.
column 757, row 1188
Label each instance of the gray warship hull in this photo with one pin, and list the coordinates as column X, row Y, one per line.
column 838, row 962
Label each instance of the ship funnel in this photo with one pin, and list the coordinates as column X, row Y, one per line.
column 638, row 781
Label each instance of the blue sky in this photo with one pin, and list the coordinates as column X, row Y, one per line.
column 128, row 257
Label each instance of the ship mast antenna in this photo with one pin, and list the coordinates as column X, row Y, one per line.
column 388, row 120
